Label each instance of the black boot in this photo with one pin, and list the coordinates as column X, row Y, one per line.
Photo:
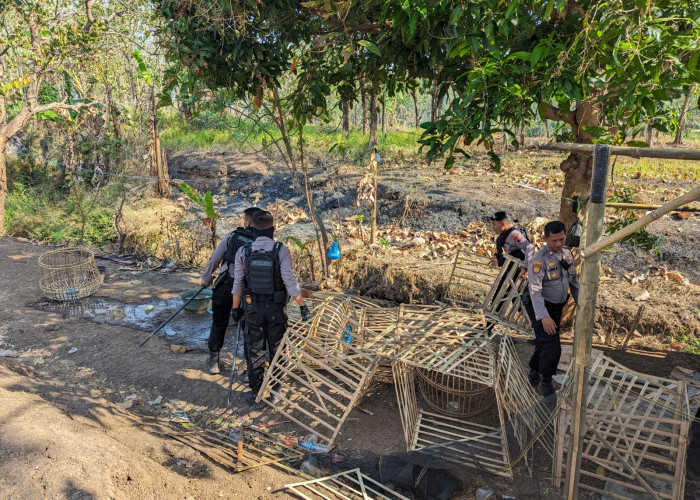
column 534, row 378
column 546, row 386
column 212, row 364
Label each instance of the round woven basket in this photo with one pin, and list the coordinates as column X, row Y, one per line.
column 68, row 274
column 454, row 395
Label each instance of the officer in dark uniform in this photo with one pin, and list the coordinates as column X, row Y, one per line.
column 512, row 240
column 221, row 302
column 263, row 281
column 551, row 275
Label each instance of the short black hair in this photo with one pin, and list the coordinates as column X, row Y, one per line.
column 262, row 219
column 554, row 227
column 248, row 213
column 498, row 216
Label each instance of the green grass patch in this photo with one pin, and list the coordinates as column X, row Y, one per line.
column 31, row 212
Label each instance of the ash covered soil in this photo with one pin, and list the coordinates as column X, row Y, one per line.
column 84, row 412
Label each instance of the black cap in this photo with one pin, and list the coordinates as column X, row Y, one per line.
column 498, row 216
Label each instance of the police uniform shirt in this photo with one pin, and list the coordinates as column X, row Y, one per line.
column 517, row 240
column 286, row 271
column 216, row 259
column 549, row 280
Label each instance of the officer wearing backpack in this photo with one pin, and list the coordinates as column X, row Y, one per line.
column 263, row 281
column 221, row 302
column 512, row 240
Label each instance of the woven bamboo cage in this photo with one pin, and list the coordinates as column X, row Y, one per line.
column 68, row 274
column 455, row 396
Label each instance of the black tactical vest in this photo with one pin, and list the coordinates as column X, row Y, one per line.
column 240, row 238
column 263, row 274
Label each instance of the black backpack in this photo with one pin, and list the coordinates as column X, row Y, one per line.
column 240, row 238
column 263, row 275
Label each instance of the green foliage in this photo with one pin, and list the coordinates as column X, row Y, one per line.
column 143, row 70
column 641, row 238
column 38, row 214
column 299, row 244
column 204, row 202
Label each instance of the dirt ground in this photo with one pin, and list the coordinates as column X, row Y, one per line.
column 75, row 417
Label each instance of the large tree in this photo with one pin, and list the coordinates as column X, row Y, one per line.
column 42, row 44
column 605, row 69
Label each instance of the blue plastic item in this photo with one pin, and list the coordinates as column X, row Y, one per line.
column 334, row 251
column 347, row 335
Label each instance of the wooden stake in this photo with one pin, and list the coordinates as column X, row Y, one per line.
column 633, row 327
column 583, row 333
column 670, row 154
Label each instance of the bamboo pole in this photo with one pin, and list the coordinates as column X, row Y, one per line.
column 585, row 318
column 690, row 196
column 373, row 234
column 642, row 206
column 669, row 154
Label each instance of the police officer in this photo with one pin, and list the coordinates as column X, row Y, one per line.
column 551, row 275
column 263, row 281
column 512, row 240
column 221, row 301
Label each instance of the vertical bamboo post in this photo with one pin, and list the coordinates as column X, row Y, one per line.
column 585, row 318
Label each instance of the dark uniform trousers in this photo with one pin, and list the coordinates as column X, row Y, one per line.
column 221, row 304
column 547, row 347
column 266, row 323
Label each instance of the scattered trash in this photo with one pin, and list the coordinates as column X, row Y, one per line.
column 317, row 447
column 166, row 270
column 169, row 331
column 643, row 296
column 484, row 493
column 156, row 401
column 234, row 435
column 179, row 416
column 9, row 353
column 72, row 350
column 148, row 308
column 179, row 349
column 337, row 458
column 131, row 396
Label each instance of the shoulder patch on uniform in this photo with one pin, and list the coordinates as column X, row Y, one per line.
column 536, row 267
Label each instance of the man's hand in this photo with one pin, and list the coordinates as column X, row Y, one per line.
column 306, row 293
column 493, row 261
column 523, row 274
column 237, row 314
column 549, row 326
column 305, row 313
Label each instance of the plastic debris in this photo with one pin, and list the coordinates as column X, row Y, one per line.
column 148, row 308
column 169, row 331
column 156, row 401
column 72, row 350
column 484, row 493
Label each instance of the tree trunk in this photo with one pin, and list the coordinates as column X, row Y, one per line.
column 650, row 136
column 434, row 100
column 384, row 112
column 546, row 128
column 3, row 180
column 372, row 119
column 522, row 136
column 578, row 173
column 346, row 118
column 681, row 118
column 415, row 107
column 363, row 97
column 156, row 157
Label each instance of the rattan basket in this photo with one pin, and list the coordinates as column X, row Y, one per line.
column 68, row 274
column 454, row 395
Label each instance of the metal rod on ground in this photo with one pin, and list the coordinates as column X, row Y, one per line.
column 171, row 317
column 692, row 195
column 585, row 317
column 233, row 366
column 669, row 154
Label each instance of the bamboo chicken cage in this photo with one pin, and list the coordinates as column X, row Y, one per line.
column 68, row 274
column 453, row 395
